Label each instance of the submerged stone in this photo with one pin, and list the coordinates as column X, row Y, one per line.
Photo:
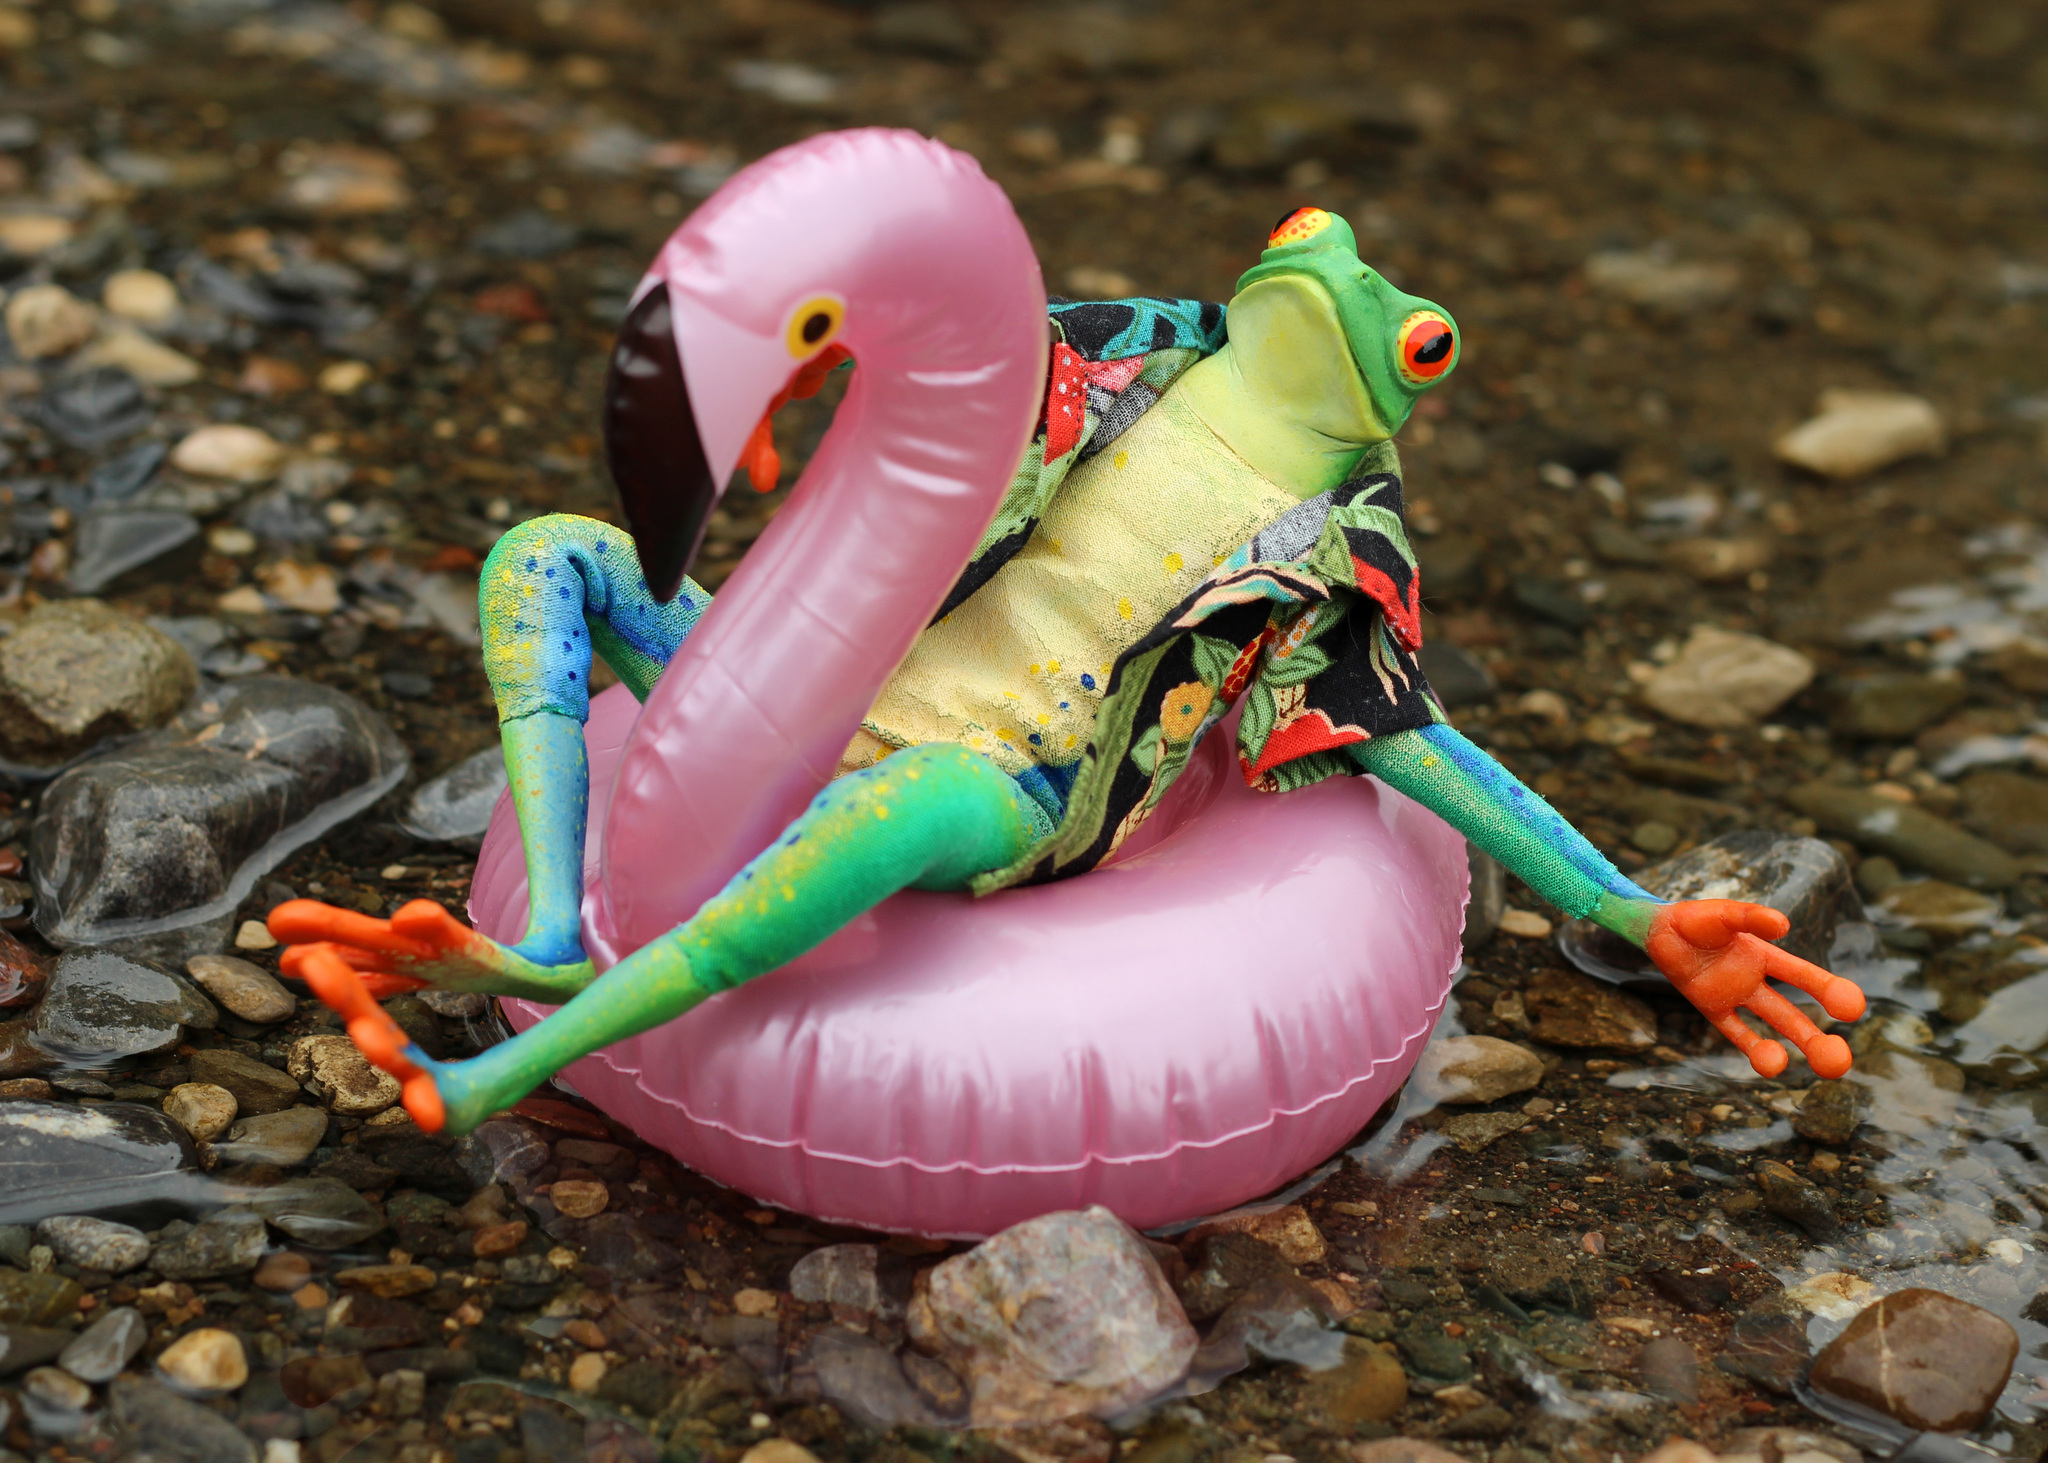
column 1911, row 835
column 1930, row 1361
column 173, row 832
column 91, row 408
column 101, row 1006
column 456, row 807
column 70, row 1158
column 111, row 541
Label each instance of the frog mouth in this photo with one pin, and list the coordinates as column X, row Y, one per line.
column 654, row 448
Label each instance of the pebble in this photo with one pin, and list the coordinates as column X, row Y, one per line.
column 126, row 473
column 1793, row 1197
column 1854, row 433
column 1368, row 1386
column 283, row 1271
column 1670, row 1370
column 258, row 1087
column 347, row 1081
column 1104, row 1331
column 579, row 1198
column 285, row 1138
column 117, row 840
column 47, row 320
column 1400, row 1450
column 1894, row 707
column 1720, row 678
column 36, row 1299
column 778, row 1450
column 94, row 407
column 249, row 991
column 76, row 672
column 586, row 1372
column 501, row 1239
column 254, row 934
column 149, row 361
column 99, row 1352
column 55, row 1401
column 227, row 1243
column 456, row 807
column 1930, row 1361
column 100, row 1007
column 392, row 1282
column 839, row 1275
column 310, row 588
column 1475, row 1131
column 269, row 376
column 1829, row 1113
column 345, row 378
column 141, row 295
column 231, row 451
column 1476, row 1069
column 1940, row 908
column 207, row 1362
column 1651, row 278
column 94, row 1244
column 22, row 1347
column 1567, row 1009
column 110, row 542
column 340, row 180
column 1911, row 835
column 174, row 1425
column 1287, row 1231
column 2008, row 808
column 204, row 1109
column 1524, row 924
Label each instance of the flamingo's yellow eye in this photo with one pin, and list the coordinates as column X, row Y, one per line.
column 813, row 324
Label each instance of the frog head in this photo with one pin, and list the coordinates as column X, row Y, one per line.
column 1400, row 345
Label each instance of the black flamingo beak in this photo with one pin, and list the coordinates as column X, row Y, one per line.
column 653, row 447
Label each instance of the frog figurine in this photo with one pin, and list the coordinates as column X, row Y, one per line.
column 1209, row 515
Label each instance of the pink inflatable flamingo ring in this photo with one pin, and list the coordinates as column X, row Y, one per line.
column 916, row 893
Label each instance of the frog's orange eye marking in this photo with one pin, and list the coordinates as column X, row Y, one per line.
column 1426, row 348
column 813, row 324
column 1303, row 223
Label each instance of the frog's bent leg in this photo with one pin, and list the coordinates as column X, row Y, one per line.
column 1712, row 950
column 930, row 817
column 553, row 590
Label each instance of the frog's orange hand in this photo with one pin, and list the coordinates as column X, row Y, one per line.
column 327, row 968
column 1715, row 952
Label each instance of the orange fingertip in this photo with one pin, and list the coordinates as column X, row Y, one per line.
column 1769, row 1058
column 423, row 1100
column 1844, row 1000
column 1829, row 1057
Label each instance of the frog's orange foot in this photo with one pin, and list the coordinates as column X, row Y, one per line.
column 1715, row 952
column 380, row 1039
column 419, row 936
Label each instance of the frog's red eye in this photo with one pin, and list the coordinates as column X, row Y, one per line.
column 1426, row 348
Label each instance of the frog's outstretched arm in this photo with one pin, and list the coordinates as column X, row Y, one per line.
column 1713, row 950
column 554, row 590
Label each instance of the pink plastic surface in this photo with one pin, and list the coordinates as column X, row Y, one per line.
column 945, row 316
column 1169, row 1036
column 1211, row 1015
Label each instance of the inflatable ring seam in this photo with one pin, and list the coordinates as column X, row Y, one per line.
column 1421, row 1033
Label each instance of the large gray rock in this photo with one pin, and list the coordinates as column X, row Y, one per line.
column 456, row 807
column 1063, row 1314
column 101, row 1006
column 228, row 1243
column 78, row 672
column 61, row 1158
column 173, row 832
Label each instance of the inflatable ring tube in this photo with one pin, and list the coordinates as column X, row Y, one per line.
column 1183, row 1030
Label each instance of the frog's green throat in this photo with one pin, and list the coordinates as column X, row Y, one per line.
column 1402, row 345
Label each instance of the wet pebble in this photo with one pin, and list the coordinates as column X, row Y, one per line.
column 43, row 1299
column 111, row 541
column 228, row 1243
column 1924, row 1358
column 1476, row 1069
column 149, row 361
column 94, row 407
column 1369, row 1385
column 285, row 1138
column 204, row 1109
column 1567, row 1009
column 99, row 1352
column 389, row 1281
column 169, row 834
column 1721, row 678
column 840, row 1275
column 456, row 807
column 1432, row 1353
column 1894, row 707
column 1652, row 278
column 1793, row 1197
column 1105, row 1331
column 1939, row 907
column 100, row 1006
column 247, row 990
column 862, row 1379
column 154, row 1418
column 45, row 320
column 56, row 1401
column 1855, row 433
column 2009, row 808
column 208, row 1362
column 346, row 1080
column 141, row 295
column 1474, row 1132
column 1670, row 1370
column 1399, row 1450
column 229, row 450
column 1829, row 1113
column 77, row 672
column 94, row 1244
column 580, row 1198
column 1911, row 835
column 283, row 1271
column 257, row 1086
column 22, row 1347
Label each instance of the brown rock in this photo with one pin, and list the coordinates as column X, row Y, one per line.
column 1470, row 1070
column 332, row 1066
column 283, row 1271
column 78, row 672
column 579, row 1198
column 1934, row 1363
column 1287, row 1229
column 1401, row 1450
column 249, row 991
column 388, row 1281
column 269, row 376
column 1369, row 1385
column 499, row 1239
column 258, row 1087
column 1568, row 1009
column 207, row 1362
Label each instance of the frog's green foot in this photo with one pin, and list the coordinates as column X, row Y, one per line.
column 440, row 1096
column 421, row 945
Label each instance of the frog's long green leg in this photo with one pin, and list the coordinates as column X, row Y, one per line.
column 1708, row 948
column 553, row 590
column 929, row 817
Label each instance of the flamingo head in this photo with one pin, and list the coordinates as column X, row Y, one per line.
column 1401, row 345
